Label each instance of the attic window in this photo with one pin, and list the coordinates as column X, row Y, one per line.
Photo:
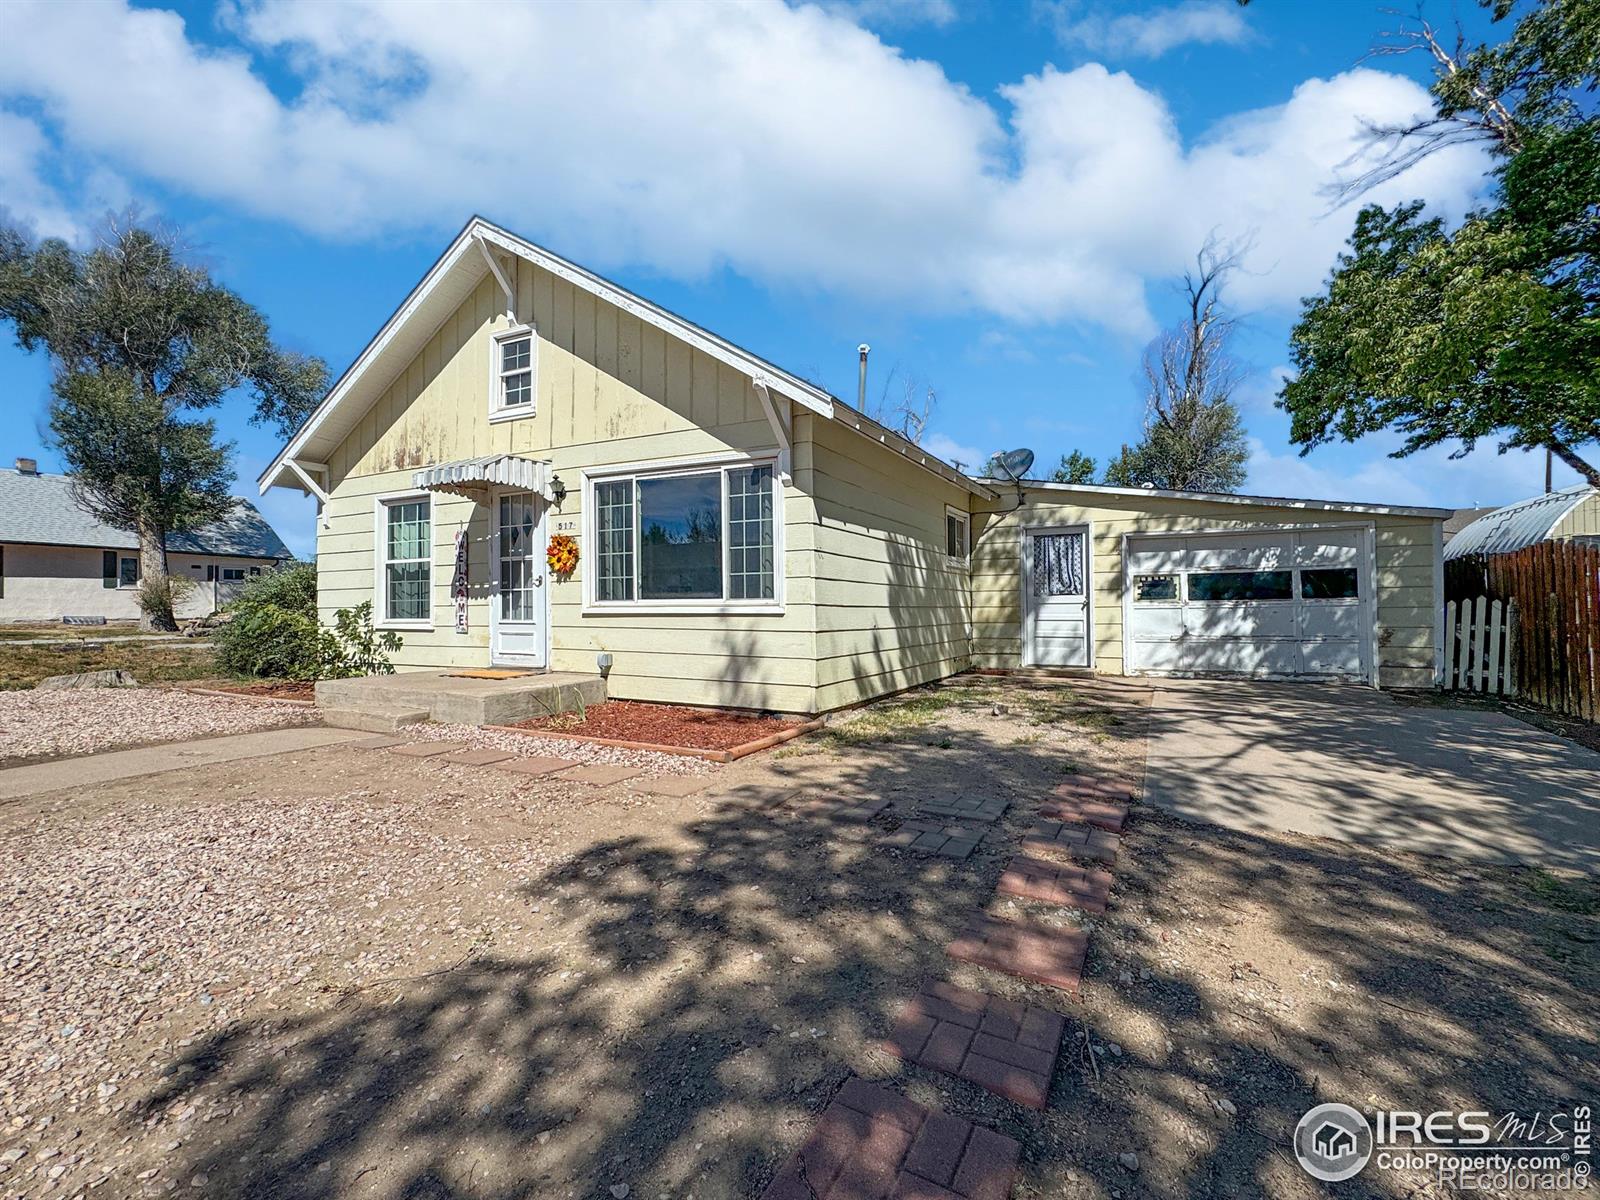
column 511, row 374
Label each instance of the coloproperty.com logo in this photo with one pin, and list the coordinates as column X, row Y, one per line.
column 1467, row 1151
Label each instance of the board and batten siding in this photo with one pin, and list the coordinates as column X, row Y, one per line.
column 1404, row 546
column 610, row 390
column 892, row 610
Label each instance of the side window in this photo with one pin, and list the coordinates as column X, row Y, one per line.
column 511, row 380
column 956, row 543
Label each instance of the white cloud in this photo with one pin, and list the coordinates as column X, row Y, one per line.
column 1429, row 477
column 25, row 196
column 789, row 144
column 952, row 451
column 1152, row 34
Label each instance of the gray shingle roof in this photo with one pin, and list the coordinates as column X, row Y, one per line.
column 1525, row 523
column 39, row 509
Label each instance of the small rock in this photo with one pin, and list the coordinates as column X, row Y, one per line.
column 106, row 1090
column 1129, row 1161
column 199, row 1181
column 619, row 1190
column 15, row 1154
column 1227, row 1105
column 1115, row 1049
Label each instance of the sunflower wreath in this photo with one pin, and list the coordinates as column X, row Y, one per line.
column 562, row 554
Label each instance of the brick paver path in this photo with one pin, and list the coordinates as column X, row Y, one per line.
column 1037, row 952
column 600, row 774
column 1008, row 1048
column 1080, row 841
column 964, row 808
column 1040, row 879
column 426, row 749
column 674, row 785
column 536, row 766
column 1094, row 787
column 1110, row 817
column 476, row 757
column 951, row 840
column 874, row 1144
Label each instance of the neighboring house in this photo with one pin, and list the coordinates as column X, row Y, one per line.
column 58, row 561
column 748, row 540
column 1572, row 514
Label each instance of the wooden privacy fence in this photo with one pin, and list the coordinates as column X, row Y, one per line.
column 1556, row 640
column 1480, row 646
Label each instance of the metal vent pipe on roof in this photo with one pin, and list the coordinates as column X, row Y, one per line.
column 861, row 385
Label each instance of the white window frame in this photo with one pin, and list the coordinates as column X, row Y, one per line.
column 965, row 518
column 498, row 409
column 380, row 551
column 660, row 469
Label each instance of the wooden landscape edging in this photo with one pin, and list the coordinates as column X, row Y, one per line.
column 729, row 755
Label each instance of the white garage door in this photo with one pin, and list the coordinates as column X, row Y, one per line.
column 1275, row 603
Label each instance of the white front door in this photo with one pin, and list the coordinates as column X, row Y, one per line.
column 518, row 616
column 1055, row 597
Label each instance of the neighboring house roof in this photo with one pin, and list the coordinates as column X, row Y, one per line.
column 457, row 273
column 1462, row 517
column 1394, row 510
column 1525, row 523
column 40, row 510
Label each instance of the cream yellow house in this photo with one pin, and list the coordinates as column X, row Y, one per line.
column 746, row 539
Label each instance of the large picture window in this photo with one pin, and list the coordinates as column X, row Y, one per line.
column 695, row 537
column 407, row 571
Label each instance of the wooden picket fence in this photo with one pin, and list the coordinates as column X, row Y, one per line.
column 1555, row 645
column 1480, row 646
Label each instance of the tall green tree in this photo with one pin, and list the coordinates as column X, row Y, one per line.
column 1490, row 329
column 1193, row 438
column 142, row 344
column 1076, row 467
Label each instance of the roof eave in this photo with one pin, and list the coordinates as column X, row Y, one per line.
column 1403, row 510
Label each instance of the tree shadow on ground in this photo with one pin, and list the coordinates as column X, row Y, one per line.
column 688, row 997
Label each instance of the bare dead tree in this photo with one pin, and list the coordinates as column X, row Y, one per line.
column 906, row 405
column 1477, row 114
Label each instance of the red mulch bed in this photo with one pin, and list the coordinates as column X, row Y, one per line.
column 281, row 690
column 663, row 725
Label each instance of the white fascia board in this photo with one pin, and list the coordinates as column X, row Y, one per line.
column 375, row 347
column 1392, row 510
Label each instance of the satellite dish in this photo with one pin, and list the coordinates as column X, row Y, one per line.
column 1011, row 464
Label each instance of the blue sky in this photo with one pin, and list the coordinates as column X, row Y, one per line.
column 997, row 197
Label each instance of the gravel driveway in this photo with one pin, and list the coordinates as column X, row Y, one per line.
column 35, row 725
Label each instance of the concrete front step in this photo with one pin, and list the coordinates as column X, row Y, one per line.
column 375, row 719
column 447, row 697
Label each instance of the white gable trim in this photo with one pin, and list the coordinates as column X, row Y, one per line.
column 481, row 237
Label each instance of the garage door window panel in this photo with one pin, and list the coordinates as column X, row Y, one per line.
column 1212, row 587
column 1154, row 589
column 1330, row 583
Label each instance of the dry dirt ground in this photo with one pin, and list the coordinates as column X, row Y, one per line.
column 346, row 973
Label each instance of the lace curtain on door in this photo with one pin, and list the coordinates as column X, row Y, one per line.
column 1058, row 564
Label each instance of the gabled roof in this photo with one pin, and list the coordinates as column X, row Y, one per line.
column 1516, row 526
column 40, row 510
column 452, row 279
column 1393, row 510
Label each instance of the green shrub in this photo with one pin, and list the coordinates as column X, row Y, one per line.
column 273, row 632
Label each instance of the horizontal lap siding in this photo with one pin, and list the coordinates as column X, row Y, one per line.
column 892, row 610
column 610, row 390
column 1404, row 548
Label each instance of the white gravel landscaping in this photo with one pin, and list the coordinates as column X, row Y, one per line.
column 528, row 745
column 37, row 724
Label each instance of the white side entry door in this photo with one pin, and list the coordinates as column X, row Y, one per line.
column 1055, row 597
column 518, row 608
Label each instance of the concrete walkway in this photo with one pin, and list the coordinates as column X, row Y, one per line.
column 1348, row 762
column 114, row 765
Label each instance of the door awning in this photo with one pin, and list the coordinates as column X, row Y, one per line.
column 473, row 477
